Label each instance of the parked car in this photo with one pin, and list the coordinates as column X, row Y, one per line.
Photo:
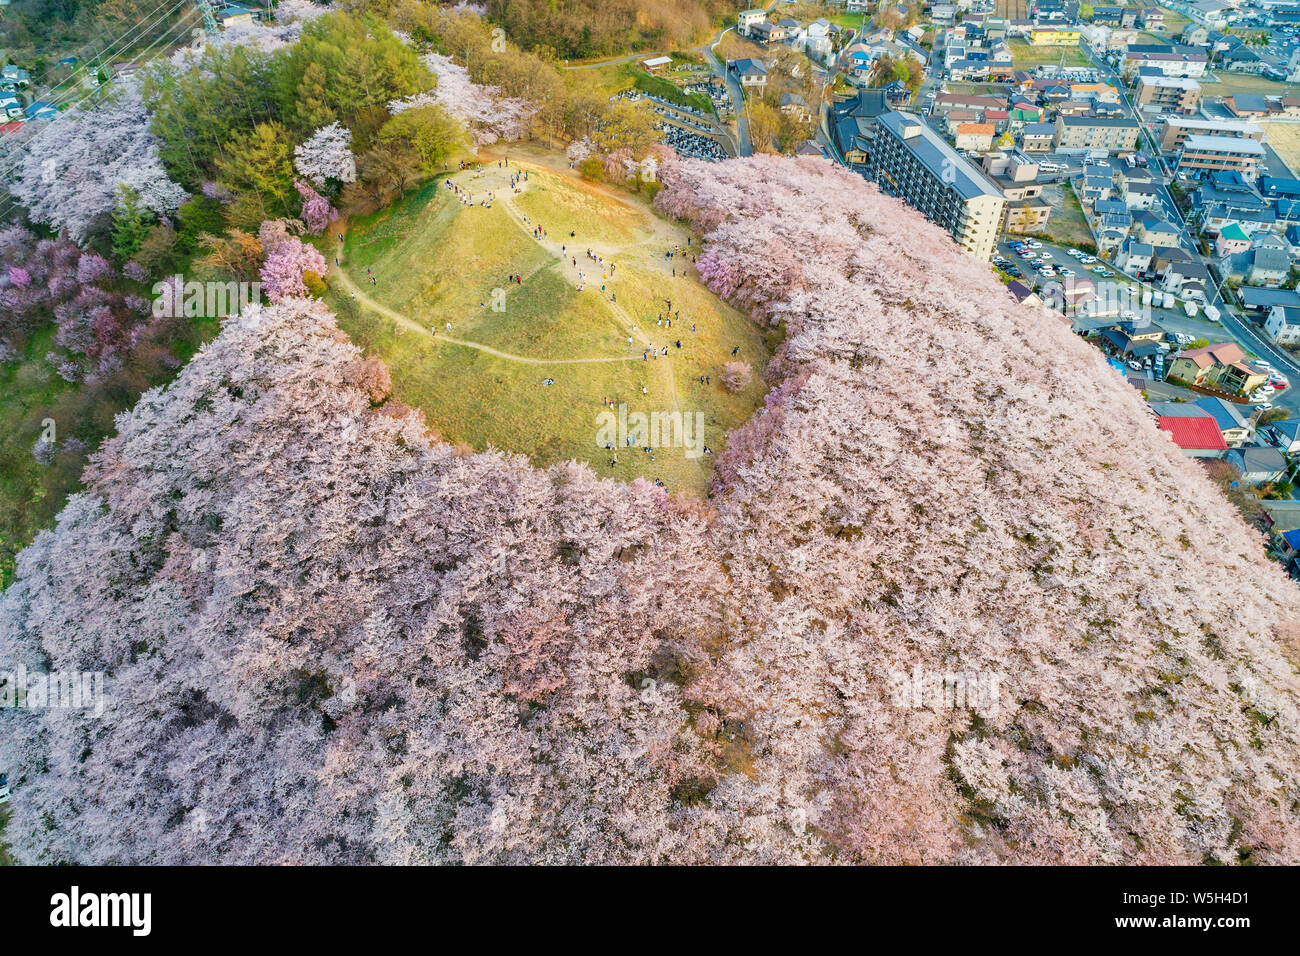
column 1076, row 253
column 1088, row 260
column 1135, row 365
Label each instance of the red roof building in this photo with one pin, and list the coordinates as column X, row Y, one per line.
column 1197, row 435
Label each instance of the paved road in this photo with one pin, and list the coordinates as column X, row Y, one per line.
column 745, row 144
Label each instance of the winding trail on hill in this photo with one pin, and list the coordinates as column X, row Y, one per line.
column 407, row 322
column 661, row 231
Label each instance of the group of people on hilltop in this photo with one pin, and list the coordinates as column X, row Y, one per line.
column 667, row 314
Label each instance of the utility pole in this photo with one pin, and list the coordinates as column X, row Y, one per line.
column 209, row 19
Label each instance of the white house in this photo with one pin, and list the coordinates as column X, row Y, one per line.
column 817, row 42
column 1283, row 324
column 747, row 18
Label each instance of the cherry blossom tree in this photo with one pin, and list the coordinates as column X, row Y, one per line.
column 332, row 638
column 326, row 155
column 736, row 376
column 288, row 259
column 54, row 280
column 69, row 171
column 489, row 115
column 900, row 490
column 317, row 213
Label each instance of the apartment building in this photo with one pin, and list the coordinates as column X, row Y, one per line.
column 1178, row 94
column 917, row 165
column 1054, row 36
column 1095, row 132
column 1178, row 128
column 746, row 19
column 1168, row 64
column 1202, row 155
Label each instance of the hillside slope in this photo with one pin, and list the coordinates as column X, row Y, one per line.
column 330, row 639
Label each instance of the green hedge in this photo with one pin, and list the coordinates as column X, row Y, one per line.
column 670, row 92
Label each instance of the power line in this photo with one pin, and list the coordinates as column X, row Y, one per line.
column 71, row 93
column 163, row 39
column 26, row 148
column 130, row 36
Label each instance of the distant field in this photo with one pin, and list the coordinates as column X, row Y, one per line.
column 1026, row 57
column 977, row 89
column 805, row 11
column 1230, row 83
column 1285, row 140
column 438, row 261
column 1013, row 9
column 733, row 47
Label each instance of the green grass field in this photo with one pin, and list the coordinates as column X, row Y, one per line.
column 1068, row 225
column 1026, row 57
column 1229, row 83
column 437, row 260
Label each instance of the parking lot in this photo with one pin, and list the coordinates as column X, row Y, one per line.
column 1060, row 259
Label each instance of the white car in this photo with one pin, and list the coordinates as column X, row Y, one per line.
column 1135, row 365
column 1263, row 406
column 1076, row 253
column 1034, row 244
column 1067, row 273
column 1101, row 270
column 1088, row 260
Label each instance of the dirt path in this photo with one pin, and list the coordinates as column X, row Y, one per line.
column 490, row 179
column 414, row 326
column 556, row 249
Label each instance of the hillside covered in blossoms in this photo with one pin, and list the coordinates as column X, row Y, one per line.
column 333, row 638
